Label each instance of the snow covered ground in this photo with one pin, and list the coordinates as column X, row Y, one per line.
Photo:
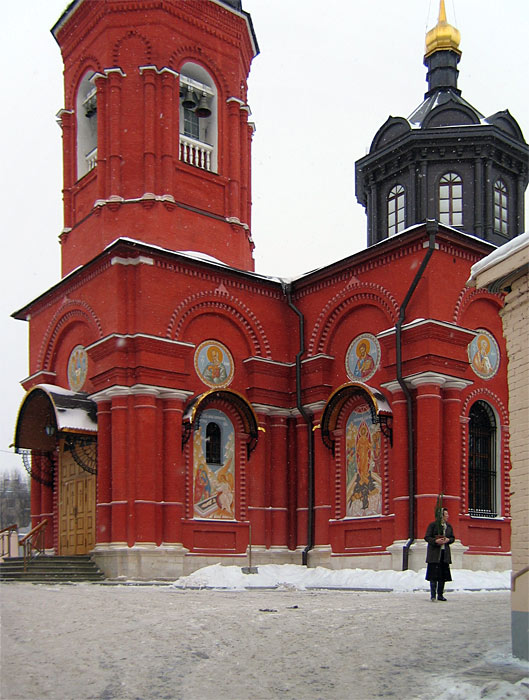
column 286, row 632
column 302, row 578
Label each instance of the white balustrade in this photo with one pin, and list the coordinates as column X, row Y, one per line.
column 195, row 152
column 91, row 160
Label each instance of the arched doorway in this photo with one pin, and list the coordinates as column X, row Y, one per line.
column 56, row 432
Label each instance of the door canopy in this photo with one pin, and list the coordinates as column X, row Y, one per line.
column 48, row 413
column 380, row 409
column 199, row 403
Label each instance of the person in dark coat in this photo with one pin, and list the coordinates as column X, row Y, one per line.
column 438, row 556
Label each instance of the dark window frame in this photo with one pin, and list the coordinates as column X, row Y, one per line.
column 213, row 443
column 482, row 467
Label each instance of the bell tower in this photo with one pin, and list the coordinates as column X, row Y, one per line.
column 156, row 136
column 446, row 161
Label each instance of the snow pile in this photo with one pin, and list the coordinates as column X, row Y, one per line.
column 491, row 690
column 301, row 578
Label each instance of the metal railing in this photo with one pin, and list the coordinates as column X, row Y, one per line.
column 6, row 537
column 33, row 542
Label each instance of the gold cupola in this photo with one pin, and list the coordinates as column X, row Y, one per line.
column 443, row 37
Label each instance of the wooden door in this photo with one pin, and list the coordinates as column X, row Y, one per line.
column 77, row 506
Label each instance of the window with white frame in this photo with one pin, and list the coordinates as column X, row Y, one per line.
column 86, row 113
column 501, row 210
column 451, row 200
column 198, row 118
column 396, row 210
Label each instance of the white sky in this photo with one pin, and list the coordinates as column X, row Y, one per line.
column 329, row 74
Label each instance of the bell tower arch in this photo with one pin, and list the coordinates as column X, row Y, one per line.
column 156, row 135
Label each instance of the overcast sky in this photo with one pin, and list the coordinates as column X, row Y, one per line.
column 329, row 74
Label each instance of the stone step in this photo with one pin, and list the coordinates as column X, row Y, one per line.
column 51, row 569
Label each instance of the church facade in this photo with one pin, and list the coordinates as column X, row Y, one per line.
column 182, row 409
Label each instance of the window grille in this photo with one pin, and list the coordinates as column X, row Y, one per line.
column 482, row 461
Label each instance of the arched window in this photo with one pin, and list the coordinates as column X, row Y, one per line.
column 451, row 200
column 86, row 112
column 198, row 118
column 501, row 211
column 396, row 210
column 213, row 443
column 482, row 498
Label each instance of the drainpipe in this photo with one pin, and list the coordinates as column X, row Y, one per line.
column 431, row 228
column 287, row 290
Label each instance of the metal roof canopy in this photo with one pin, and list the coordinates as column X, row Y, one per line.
column 47, row 410
column 191, row 417
column 379, row 407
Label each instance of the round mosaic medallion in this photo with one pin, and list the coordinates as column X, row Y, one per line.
column 77, row 367
column 484, row 354
column 363, row 357
column 214, row 363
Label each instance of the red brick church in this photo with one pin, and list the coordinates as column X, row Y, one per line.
column 181, row 408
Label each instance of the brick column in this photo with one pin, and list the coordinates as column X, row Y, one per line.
column 147, row 464
column 452, row 454
column 47, row 507
column 121, row 511
column 149, row 128
column 234, row 145
column 104, row 472
column 169, row 107
column 302, row 480
column 256, row 483
column 69, row 151
column 399, row 472
column 245, row 169
column 279, row 479
column 429, row 442
column 114, row 157
column 322, row 485
column 102, row 135
column 173, row 506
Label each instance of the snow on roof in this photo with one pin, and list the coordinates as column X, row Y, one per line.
column 502, row 253
column 73, row 410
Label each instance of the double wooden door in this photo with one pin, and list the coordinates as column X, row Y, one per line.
column 77, row 506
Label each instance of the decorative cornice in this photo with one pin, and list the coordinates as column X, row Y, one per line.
column 133, row 336
column 139, row 260
column 269, row 410
column 108, row 72
column 418, row 322
column 159, row 71
column 267, row 361
column 435, row 378
column 414, row 380
column 139, row 390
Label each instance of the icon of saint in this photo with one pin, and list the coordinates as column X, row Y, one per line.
column 215, row 371
column 365, row 365
column 480, row 361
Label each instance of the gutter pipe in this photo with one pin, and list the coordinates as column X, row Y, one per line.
column 432, row 228
column 287, row 290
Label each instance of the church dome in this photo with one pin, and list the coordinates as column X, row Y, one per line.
column 443, row 37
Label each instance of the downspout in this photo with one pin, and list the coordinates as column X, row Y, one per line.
column 431, row 228
column 287, row 290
